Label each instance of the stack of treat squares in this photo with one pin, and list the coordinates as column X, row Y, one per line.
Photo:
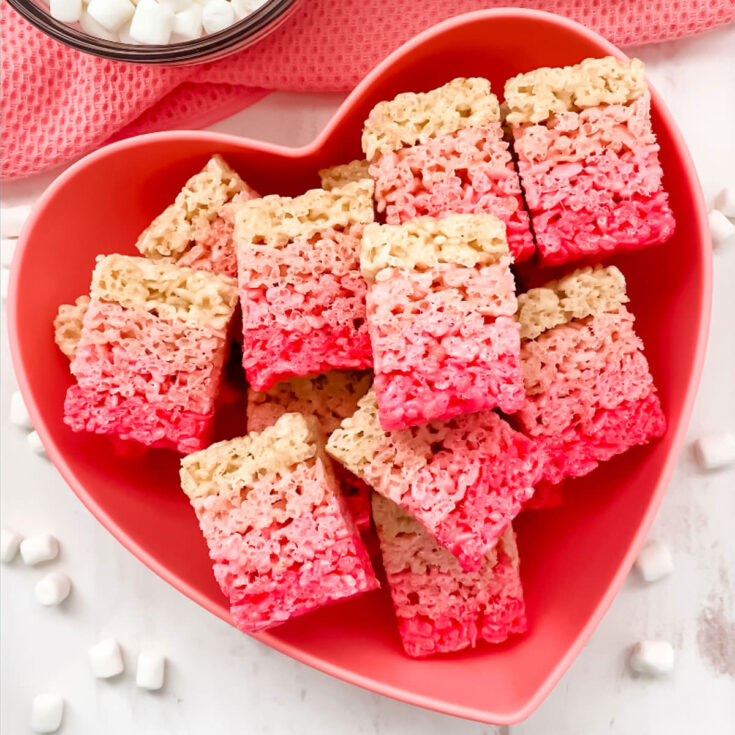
column 399, row 387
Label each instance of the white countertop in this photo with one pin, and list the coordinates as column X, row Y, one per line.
column 220, row 681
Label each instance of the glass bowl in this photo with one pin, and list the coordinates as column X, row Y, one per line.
column 213, row 46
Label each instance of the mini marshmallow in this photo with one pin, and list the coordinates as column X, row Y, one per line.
column 725, row 202
column 714, row 451
column 654, row 562
column 9, row 544
column 151, row 668
column 243, row 8
column 12, row 219
column 7, row 248
column 176, row 5
column 105, row 659
column 47, row 711
column 92, row 28
column 721, row 229
column 152, row 23
column 34, row 442
column 19, row 413
column 188, row 23
column 53, row 589
column 217, row 15
column 112, row 15
column 652, row 658
column 68, row 11
column 39, row 548
column 123, row 35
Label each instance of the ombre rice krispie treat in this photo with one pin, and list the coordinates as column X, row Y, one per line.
column 196, row 230
column 441, row 608
column 463, row 480
column 440, row 308
column 329, row 397
column 442, row 152
column 590, row 394
column 588, row 159
column 302, row 295
column 148, row 363
column 279, row 537
column 345, row 173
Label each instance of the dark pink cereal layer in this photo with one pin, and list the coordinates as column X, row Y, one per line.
column 303, row 308
column 283, row 546
column 593, row 182
column 466, row 172
column 590, row 394
column 464, row 479
column 440, row 608
column 444, row 343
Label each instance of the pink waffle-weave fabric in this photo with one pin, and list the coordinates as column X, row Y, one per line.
column 469, row 171
column 59, row 103
column 440, row 608
column 593, row 182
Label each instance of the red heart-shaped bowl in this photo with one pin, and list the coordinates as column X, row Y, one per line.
column 574, row 557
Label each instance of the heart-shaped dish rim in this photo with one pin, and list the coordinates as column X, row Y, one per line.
column 373, row 684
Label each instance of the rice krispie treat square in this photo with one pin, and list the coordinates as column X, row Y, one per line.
column 329, row 397
column 440, row 310
column 588, row 159
column 590, row 394
column 443, row 152
column 279, row 537
column 148, row 364
column 441, row 608
column 197, row 229
column 463, row 480
column 345, row 173
column 302, row 295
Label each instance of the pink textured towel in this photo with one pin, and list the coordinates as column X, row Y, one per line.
column 59, row 103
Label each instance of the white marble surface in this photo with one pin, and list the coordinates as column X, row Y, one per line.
column 220, row 681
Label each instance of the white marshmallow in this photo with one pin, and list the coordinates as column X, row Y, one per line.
column 721, row 229
column 188, row 23
column 725, row 201
column 68, row 11
column 105, row 659
column 217, row 15
column 123, row 35
column 7, row 249
column 714, row 451
column 35, row 443
column 176, row 5
column 152, row 23
column 243, row 8
column 654, row 562
column 39, row 548
column 4, row 283
column 19, row 413
column 47, row 711
column 53, row 589
column 9, row 544
column 92, row 28
column 652, row 658
column 111, row 14
column 151, row 669
column 13, row 218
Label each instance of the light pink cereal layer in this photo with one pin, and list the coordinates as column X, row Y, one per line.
column 283, row 547
column 593, row 182
column 303, row 308
column 444, row 343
